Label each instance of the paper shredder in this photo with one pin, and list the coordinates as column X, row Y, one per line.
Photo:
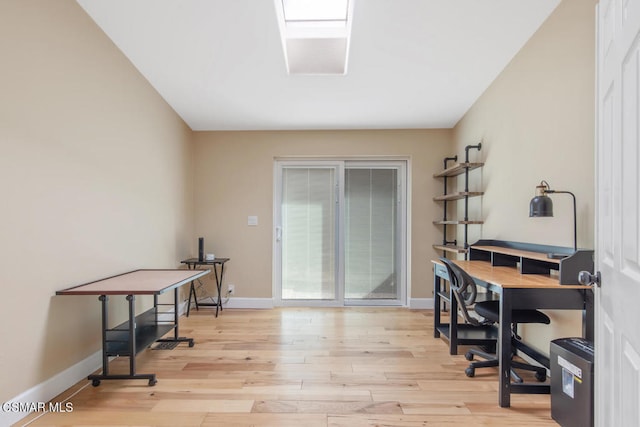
column 572, row 382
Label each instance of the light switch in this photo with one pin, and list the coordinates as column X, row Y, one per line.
column 252, row 220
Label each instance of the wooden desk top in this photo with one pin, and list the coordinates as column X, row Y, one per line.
column 510, row 277
column 138, row 282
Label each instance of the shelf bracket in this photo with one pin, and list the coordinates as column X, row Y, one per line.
column 450, row 159
column 469, row 147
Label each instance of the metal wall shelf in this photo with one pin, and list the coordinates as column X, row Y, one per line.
column 457, row 169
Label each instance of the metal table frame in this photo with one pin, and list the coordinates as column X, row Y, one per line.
column 138, row 332
column 192, row 263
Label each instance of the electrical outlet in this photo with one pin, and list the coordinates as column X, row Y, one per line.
column 231, row 289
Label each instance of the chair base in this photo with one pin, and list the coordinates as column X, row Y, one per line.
column 492, row 361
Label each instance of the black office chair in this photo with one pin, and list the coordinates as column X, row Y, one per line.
column 464, row 289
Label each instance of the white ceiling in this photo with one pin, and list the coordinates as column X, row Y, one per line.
column 412, row 63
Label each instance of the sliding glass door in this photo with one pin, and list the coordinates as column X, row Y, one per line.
column 340, row 233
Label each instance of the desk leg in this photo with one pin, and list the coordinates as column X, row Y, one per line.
column 453, row 323
column 131, row 332
column 219, row 286
column 436, row 304
column 104, row 300
column 192, row 294
column 189, row 300
column 175, row 312
column 504, row 348
column 588, row 316
column 192, row 291
column 176, row 335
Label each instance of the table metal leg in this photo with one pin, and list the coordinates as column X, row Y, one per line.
column 131, row 332
column 436, row 305
column 219, row 286
column 588, row 325
column 453, row 324
column 104, row 300
column 192, row 294
column 192, row 290
column 504, row 348
column 176, row 336
column 132, row 335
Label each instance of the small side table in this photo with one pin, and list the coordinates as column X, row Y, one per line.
column 192, row 263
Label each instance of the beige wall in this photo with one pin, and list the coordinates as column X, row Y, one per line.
column 96, row 169
column 94, row 173
column 234, row 179
column 536, row 121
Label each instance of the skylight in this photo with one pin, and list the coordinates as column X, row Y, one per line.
column 315, row 35
column 315, row 10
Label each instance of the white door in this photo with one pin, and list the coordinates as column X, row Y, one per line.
column 617, row 342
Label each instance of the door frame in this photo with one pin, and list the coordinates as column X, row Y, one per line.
column 405, row 228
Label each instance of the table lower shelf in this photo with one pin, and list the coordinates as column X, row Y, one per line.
column 149, row 326
column 117, row 343
column 470, row 334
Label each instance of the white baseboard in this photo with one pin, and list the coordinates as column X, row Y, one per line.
column 266, row 303
column 249, row 303
column 182, row 308
column 52, row 387
column 421, row 303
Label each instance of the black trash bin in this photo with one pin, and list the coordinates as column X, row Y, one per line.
column 572, row 382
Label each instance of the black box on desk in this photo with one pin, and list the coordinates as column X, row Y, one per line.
column 572, row 382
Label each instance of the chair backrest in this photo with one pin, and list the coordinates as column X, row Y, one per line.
column 464, row 290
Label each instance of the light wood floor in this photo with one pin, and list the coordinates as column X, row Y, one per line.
column 302, row 367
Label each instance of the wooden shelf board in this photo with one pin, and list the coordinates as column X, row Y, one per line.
column 457, row 196
column 456, row 222
column 457, row 169
column 518, row 253
column 450, row 248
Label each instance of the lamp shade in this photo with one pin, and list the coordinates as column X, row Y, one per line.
column 541, row 205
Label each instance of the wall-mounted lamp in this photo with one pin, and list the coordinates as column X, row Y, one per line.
column 542, row 205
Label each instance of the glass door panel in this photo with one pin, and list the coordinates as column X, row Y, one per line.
column 371, row 234
column 308, row 210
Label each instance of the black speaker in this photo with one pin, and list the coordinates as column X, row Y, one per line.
column 201, row 249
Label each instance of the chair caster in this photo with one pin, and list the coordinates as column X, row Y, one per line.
column 471, row 372
column 95, row 383
column 152, row 383
column 516, row 378
column 541, row 376
column 468, row 356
